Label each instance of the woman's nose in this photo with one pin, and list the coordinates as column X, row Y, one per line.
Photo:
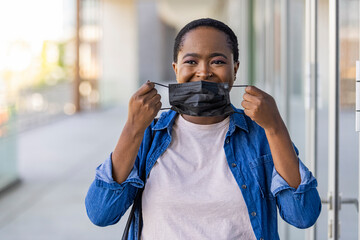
column 203, row 72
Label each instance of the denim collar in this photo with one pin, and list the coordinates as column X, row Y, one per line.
column 237, row 119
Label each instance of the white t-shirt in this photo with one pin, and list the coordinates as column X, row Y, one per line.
column 191, row 192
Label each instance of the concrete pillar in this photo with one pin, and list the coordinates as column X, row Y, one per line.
column 155, row 43
column 118, row 48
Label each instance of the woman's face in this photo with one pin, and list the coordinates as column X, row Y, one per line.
column 205, row 55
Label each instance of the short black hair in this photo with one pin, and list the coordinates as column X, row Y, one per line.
column 207, row 22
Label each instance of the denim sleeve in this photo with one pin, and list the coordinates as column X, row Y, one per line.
column 106, row 200
column 299, row 207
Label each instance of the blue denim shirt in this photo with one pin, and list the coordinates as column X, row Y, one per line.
column 249, row 158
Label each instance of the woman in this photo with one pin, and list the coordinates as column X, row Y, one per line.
column 213, row 174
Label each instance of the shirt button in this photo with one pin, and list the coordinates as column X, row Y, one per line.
column 243, row 186
column 227, row 140
column 253, row 214
column 233, row 165
column 261, row 239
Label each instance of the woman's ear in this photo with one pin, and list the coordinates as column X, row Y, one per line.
column 236, row 68
column 174, row 65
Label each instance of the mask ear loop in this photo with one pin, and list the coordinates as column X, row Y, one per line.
column 160, row 84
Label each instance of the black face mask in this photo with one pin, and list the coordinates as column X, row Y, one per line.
column 201, row 98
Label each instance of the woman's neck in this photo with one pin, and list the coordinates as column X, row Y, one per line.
column 203, row 120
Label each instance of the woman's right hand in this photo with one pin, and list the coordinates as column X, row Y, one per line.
column 143, row 107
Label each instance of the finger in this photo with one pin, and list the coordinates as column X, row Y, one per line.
column 155, row 99
column 247, row 105
column 248, row 113
column 150, row 95
column 250, row 98
column 145, row 88
column 254, row 90
column 158, row 106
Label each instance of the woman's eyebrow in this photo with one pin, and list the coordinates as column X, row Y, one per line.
column 211, row 55
column 191, row 55
column 218, row 54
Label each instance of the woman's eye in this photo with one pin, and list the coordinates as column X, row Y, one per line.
column 190, row 62
column 218, row 62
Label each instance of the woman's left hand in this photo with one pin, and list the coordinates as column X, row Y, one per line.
column 262, row 109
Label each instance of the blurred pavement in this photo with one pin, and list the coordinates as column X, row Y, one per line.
column 57, row 165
